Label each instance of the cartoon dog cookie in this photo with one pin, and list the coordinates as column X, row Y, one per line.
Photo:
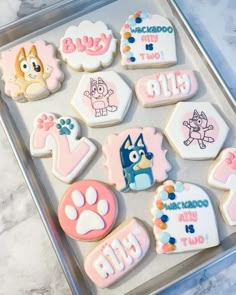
column 135, row 159
column 31, row 71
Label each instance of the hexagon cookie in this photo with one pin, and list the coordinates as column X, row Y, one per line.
column 196, row 130
column 102, row 99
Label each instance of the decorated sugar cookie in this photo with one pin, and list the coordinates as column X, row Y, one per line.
column 135, row 159
column 58, row 137
column 88, row 47
column 223, row 176
column 102, row 99
column 147, row 40
column 118, row 253
column 31, row 71
column 166, row 87
column 183, row 218
column 87, row 210
column 196, row 130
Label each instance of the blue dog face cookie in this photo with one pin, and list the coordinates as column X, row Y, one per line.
column 135, row 159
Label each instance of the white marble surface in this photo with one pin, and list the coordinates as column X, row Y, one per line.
column 28, row 263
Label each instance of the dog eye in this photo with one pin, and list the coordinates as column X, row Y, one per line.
column 199, row 121
column 100, row 89
column 141, row 152
column 24, row 66
column 133, row 156
column 94, row 89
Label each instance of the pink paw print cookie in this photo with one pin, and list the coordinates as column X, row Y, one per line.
column 87, row 210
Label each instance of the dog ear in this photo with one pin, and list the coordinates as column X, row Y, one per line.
column 100, row 81
column 21, row 54
column 92, row 81
column 33, row 51
column 127, row 143
column 195, row 114
column 139, row 141
column 203, row 115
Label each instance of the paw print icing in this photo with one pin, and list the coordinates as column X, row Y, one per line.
column 58, row 137
column 87, row 211
column 65, row 126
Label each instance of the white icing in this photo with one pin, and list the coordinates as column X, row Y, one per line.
column 88, row 221
column 153, row 88
column 78, row 198
column 108, row 251
column 185, row 83
column 132, row 244
column 173, row 82
column 116, row 245
column 165, row 88
column 103, row 267
column 71, row 212
column 103, row 207
column 91, row 195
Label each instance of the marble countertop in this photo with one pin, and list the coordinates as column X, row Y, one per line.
column 28, row 263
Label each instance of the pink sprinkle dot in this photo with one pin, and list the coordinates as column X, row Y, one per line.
column 126, row 26
column 128, row 60
column 165, row 248
column 157, row 222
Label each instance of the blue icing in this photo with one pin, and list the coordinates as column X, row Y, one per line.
column 163, row 195
column 128, row 54
column 65, row 126
column 125, row 42
column 144, row 15
column 131, row 22
column 158, row 213
column 179, row 187
column 165, row 237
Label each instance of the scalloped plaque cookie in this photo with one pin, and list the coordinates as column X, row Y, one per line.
column 183, row 218
column 88, row 210
column 102, row 99
column 164, row 88
column 31, row 71
column 135, row 159
column 58, row 137
column 147, row 40
column 88, row 47
column 223, row 176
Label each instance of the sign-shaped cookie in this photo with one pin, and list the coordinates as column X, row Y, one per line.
column 147, row 41
column 223, row 176
column 102, row 99
column 117, row 254
column 166, row 87
column 183, row 218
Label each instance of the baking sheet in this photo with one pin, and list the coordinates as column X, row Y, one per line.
column 130, row 204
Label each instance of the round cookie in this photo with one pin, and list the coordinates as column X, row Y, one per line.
column 31, row 71
column 102, row 99
column 183, row 218
column 135, row 159
column 58, row 137
column 88, row 210
column 147, row 40
column 223, row 176
column 88, row 47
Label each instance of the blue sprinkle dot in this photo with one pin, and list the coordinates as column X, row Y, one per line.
column 131, row 22
column 165, row 237
column 138, row 20
column 179, row 187
column 128, row 54
column 125, row 42
column 158, row 213
column 58, row 126
column 68, row 121
column 131, row 39
column 132, row 59
column 72, row 126
column 163, row 195
column 62, row 121
column 164, row 218
column 144, row 15
column 171, row 196
column 172, row 240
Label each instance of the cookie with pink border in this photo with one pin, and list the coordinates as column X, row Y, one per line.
column 88, row 210
column 118, row 253
column 31, row 71
column 183, row 218
column 59, row 137
column 88, row 47
column 164, row 88
column 223, row 176
column 135, row 159
column 147, row 40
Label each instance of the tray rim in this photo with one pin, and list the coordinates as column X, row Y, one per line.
column 68, row 262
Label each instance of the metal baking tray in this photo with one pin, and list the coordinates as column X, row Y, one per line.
column 17, row 121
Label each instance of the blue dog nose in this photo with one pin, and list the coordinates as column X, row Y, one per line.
column 149, row 156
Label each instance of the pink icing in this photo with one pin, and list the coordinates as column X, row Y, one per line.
column 231, row 160
column 89, row 45
column 159, row 97
column 132, row 227
column 153, row 142
column 103, row 193
column 225, row 167
column 48, row 57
